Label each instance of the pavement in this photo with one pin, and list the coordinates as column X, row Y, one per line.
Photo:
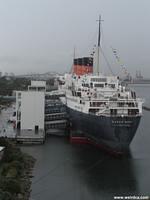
column 6, row 128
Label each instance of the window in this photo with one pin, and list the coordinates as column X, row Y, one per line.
column 99, row 79
column 91, row 85
column 113, row 112
column 36, row 129
column 31, row 88
column 41, row 88
column 19, row 95
column 133, row 111
column 99, row 85
column 79, row 94
column 112, row 85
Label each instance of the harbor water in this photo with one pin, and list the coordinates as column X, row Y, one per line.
column 82, row 172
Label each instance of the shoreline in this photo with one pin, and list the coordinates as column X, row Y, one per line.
column 16, row 168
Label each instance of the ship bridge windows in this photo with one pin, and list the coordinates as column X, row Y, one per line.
column 121, row 104
column 112, row 86
column 85, row 84
column 130, row 104
column 97, row 104
column 133, row 111
column 98, row 79
column 99, row 85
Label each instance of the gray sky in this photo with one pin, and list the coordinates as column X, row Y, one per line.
column 39, row 35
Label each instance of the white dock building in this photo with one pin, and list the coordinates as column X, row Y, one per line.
column 30, row 112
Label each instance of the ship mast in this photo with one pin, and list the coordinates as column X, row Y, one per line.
column 98, row 45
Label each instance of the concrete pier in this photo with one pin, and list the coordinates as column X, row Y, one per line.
column 30, row 137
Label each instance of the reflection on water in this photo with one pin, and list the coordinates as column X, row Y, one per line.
column 104, row 176
column 66, row 171
column 80, row 172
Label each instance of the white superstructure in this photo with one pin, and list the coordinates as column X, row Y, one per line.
column 100, row 95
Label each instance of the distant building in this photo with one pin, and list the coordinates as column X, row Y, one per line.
column 138, row 75
column 39, row 77
column 9, row 76
column 37, row 86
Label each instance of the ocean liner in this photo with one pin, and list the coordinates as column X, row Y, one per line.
column 100, row 108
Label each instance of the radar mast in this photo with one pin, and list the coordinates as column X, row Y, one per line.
column 99, row 44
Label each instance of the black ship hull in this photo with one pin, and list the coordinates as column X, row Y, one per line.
column 112, row 132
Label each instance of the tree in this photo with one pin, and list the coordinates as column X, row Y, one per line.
column 10, row 185
column 5, row 195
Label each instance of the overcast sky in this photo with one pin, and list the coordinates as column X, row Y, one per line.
column 39, row 35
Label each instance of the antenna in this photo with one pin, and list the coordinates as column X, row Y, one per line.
column 99, row 43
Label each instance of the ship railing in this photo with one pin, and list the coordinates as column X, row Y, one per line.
column 126, row 103
column 119, row 115
column 116, row 100
column 123, row 107
column 114, row 107
column 108, row 108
